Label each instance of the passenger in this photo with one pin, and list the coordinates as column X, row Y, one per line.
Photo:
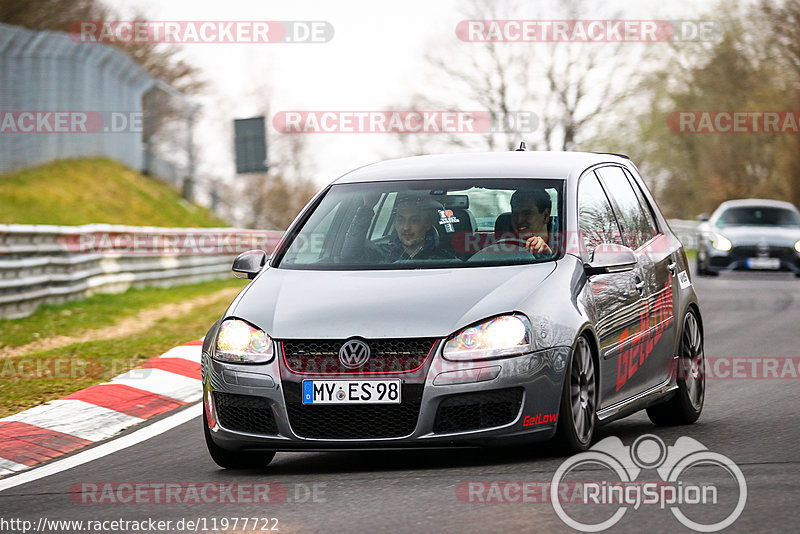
column 530, row 219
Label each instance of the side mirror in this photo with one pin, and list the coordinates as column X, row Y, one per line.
column 610, row 258
column 703, row 217
column 249, row 264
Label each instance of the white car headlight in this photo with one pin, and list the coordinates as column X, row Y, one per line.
column 720, row 242
column 507, row 335
column 239, row 342
column 797, row 246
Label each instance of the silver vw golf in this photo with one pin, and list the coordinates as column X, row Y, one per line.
column 458, row 301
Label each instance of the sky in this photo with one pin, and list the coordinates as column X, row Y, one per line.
column 375, row 60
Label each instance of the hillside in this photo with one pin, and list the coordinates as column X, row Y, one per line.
column 82, row 191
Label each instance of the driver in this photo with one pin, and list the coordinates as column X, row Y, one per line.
column 414, row 236
column 530, row 219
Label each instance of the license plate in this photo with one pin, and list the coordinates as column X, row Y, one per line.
column 351, row 391
column 764, row 263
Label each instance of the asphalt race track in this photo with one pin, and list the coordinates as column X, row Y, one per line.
column 754, row 422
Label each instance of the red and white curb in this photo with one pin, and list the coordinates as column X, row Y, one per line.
column 93, row 414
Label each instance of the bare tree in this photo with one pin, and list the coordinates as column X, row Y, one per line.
column 568, row 85
column 159, row 60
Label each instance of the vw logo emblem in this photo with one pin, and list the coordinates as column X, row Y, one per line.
column 354, row 354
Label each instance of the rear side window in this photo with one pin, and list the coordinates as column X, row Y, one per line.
column 637, row 227
column 596, row 219
column 646, row 206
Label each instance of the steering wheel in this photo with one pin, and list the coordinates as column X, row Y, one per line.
column 511, row 244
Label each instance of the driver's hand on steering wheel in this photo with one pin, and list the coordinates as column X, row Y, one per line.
column 537, row 245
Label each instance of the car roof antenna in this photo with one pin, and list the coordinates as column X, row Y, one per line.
column 522, row 147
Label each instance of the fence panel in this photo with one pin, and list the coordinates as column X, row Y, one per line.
column 43, row 72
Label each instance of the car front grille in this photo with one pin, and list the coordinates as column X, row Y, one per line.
column 740, row 254
column 244, row 413
column 473, row 411
column 387, row 356
column 770, row 251
column 353, row 421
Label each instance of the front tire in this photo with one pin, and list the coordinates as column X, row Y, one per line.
column 235, row 460
column 577, row 418
column 702, row 265
column 687, row 403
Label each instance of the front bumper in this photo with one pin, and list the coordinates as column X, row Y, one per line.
column 446, row 416
column 738, row 258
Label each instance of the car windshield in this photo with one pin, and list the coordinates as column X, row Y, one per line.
column 428, row 224
column 758, row 216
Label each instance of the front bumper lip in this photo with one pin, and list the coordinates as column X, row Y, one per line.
column 247, row 442
column 536, row 373
column 736, row 258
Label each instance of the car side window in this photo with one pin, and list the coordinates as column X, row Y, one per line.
column 635, row 226
column 596, row 220
column 381, row 224
column 646, row 206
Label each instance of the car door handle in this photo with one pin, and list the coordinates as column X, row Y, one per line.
column 671, row 267
column 639, row 285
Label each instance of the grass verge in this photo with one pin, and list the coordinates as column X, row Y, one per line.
column 46, row 375
column 95, row 190
column 98, row 310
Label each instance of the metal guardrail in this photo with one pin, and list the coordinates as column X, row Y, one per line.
column 52, row 264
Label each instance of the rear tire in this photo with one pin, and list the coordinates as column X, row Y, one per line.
column 235, row 460
column 577, row 417
column 686, row 404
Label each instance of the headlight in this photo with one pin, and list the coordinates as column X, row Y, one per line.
column 506, row 335
column 238, row 342
column 720, row 242
column 797, row 246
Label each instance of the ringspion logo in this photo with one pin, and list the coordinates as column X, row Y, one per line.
column 676, row 489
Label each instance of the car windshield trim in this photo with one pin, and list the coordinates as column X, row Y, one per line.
column 463, row 221
column 771, row 216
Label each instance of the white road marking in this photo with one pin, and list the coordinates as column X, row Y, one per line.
column 164, row 383
column 70, row 416
column 8, row 466
column 187, row 352
column 110, row 447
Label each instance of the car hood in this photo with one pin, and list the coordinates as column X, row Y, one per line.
column 300, row 304
column 754, row 235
